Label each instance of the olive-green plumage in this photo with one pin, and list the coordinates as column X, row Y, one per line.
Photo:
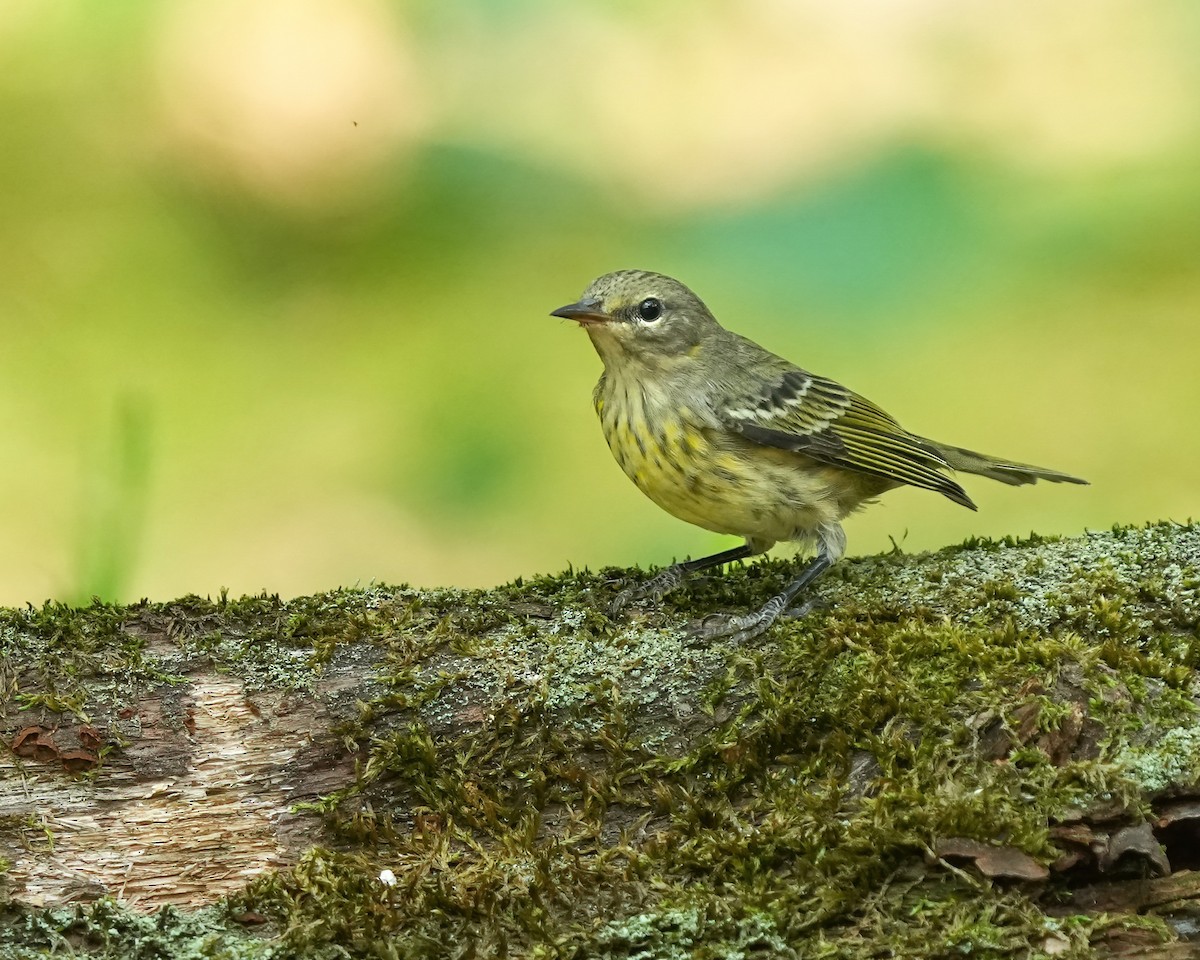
column 724, row 434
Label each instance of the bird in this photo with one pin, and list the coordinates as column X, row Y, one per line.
column 724, row 434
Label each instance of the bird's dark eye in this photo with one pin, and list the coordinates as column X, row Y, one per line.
column 649, row 309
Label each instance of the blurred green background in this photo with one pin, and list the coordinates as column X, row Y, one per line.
column 275, row 274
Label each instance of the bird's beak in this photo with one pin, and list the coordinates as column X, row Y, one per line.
column 585, row 312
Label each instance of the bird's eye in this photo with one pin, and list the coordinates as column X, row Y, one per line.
column 649, row 309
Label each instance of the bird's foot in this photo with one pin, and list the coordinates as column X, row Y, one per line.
column 655, row 588
column 740, row 628
column 795, row 613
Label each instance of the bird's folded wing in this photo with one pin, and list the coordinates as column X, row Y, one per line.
column 823, row 420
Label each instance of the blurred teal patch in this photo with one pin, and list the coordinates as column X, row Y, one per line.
column 905, row 228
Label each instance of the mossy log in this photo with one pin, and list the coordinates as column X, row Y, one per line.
column 992, row 751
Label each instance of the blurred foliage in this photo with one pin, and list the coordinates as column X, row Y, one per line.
column 274, row 276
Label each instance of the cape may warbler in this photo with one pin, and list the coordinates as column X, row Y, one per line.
column 726, row 435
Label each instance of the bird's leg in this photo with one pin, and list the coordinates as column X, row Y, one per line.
column 667, row 580
column 747, row 626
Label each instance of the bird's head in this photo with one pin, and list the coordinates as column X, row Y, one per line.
column 635, row 315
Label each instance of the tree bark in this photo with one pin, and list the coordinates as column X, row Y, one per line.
column 993, row 748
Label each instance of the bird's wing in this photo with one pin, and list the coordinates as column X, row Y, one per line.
column 820, row 418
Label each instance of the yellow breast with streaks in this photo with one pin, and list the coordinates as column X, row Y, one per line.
column 673, row 460
column 707, row 477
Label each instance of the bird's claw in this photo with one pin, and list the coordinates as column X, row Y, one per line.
column 736, row 628
column 741, row 628
column 624, row 599
column 654, row 589
column 807, row 607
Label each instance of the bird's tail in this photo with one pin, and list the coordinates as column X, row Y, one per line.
column 1006, row 471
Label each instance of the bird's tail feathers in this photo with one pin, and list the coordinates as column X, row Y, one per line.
column 1006, row 471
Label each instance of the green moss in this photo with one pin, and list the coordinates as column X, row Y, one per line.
column 56, row 656
column 107, row 929
column 543, row 781
column 1173, row 759
column 683, row 933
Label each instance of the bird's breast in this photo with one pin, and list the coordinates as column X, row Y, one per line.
column 704, row 475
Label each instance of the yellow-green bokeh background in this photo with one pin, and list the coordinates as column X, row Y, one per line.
column 275, row 274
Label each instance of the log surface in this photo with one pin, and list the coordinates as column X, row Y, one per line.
column 169, row 754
